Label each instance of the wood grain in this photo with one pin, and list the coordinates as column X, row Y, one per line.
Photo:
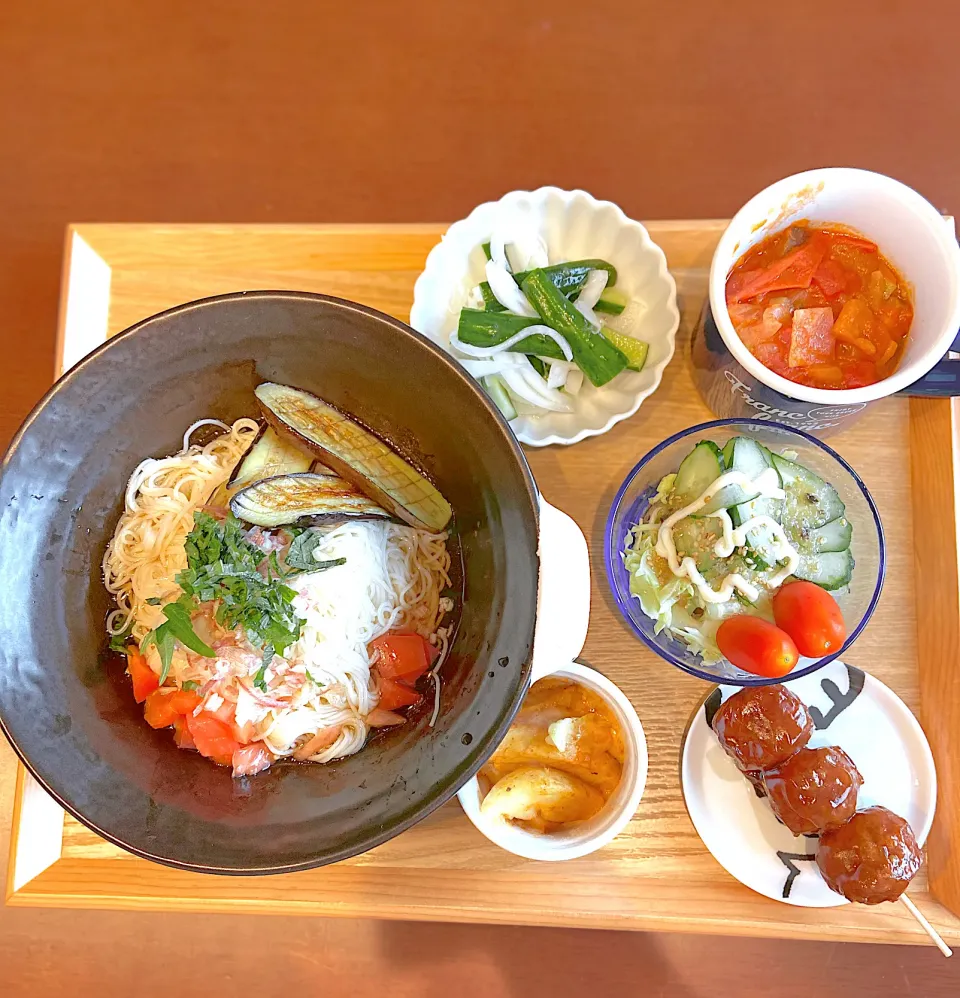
column 935, row 452
column 657, row 874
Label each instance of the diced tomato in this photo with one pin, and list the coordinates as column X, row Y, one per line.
column 163, row 707
column 145, row 680
column 395, row 694
column 182, row 736
column 213, row 738
column 830, row 277
column 859, row 373
column 773, row 357
column 812, row 340
column 855, row 320
column 401, row 655
column 754, row 335
column 795, row 270
column 824, row 376
column 896, row 317
column 227, row 712
column 739, row 280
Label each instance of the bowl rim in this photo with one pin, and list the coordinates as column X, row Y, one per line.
column 612, row 552
column 672, row 307
column 460, row 777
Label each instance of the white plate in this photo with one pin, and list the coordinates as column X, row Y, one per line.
column 574, row 226
column 850, row 709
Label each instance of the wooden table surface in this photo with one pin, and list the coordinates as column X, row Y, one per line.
column 313, row 111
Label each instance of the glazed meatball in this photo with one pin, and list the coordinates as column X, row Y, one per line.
column 871, row 858
column 814, row 790
column 761, row 726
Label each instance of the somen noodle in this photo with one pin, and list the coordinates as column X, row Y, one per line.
column 310, row 692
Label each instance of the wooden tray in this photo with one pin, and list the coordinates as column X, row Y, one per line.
column 657, row 874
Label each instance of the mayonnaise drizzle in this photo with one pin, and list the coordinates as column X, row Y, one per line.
column 767, row 484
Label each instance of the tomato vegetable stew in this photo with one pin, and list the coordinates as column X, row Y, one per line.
column 820, row 306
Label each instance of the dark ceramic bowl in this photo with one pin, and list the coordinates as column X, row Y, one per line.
column 70, row 713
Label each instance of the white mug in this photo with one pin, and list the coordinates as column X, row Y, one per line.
column 911, row 233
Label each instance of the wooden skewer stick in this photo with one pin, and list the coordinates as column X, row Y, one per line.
column 927, row 927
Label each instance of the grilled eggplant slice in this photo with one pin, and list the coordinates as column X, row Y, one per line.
column 355, row 454
column 270, row 456
column 284, row 499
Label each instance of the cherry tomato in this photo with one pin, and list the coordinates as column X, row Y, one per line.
column 811, row 617
column 757, row 646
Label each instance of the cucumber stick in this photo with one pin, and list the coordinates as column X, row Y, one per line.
column 594, row 354
column 634, row 350
column 481, row 328
column 497, row 390
column 566, row 277
column 612, row 302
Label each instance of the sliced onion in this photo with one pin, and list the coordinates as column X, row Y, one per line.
column 529, row 386
column 529, row 248
column 593, row 287
column 507, row 291
column 587, row 312
column 484, row 368
column 574, row 381
column 498, row 251
column 479, row 353
column 557, row 376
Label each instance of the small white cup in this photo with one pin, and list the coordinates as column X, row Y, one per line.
column 588, row 836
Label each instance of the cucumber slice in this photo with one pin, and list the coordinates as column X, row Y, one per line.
column 831, row 570
column 699, row 469
column 728, row 453
column 634, row 350
column 497, row 390
column 753, row 459
column 749, row 457
column 696, row 539
column 832, row 536
column 612, row 301
column 810, row 502
column 729, row 495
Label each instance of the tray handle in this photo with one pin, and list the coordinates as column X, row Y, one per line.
column 563, row 599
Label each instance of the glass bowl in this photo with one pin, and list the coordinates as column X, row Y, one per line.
column 857, row 602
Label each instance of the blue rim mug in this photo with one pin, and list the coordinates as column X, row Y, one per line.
column 912, row 234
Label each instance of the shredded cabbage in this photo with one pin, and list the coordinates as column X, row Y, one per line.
column 659, row 600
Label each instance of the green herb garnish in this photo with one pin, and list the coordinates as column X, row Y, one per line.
column 301, row 553
column 119, row 642
column 222, row 567
column 190, row 685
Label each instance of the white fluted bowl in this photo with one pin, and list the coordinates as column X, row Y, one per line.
column 574, row 226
